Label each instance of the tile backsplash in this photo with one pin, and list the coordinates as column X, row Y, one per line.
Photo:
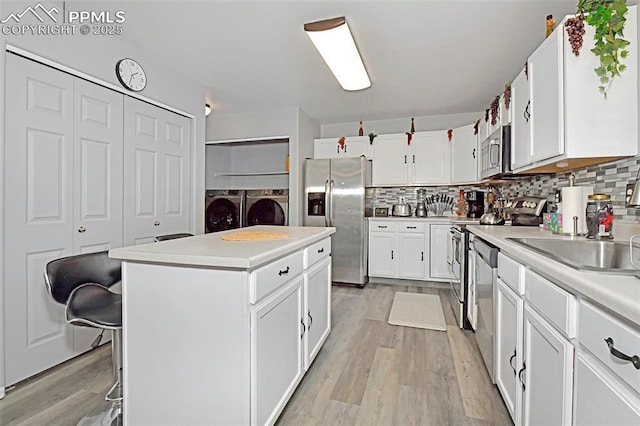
column 608, row 178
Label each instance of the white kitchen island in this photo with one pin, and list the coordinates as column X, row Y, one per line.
column 221, row 332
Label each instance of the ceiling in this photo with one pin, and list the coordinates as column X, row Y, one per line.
column 424, row 57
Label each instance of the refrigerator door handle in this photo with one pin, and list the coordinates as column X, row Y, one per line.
column 326, row 202
column 331, row 217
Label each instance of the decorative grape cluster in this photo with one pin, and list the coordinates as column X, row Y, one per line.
column 494, row 110
column 575, row 31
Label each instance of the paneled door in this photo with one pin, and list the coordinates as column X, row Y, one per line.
column 97, row 183
column 38, row 213
column 156, row 172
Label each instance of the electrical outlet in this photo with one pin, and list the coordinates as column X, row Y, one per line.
column 627, row 194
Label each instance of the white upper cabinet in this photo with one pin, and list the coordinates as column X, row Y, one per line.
column 346, row 147
column 568, row 117
column 422, row 160
column 464, row 155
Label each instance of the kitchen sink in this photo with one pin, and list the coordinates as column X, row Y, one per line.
column 610, row 257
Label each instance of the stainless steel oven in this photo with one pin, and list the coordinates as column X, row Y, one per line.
column 456, row 260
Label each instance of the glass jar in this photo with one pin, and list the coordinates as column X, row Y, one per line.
column 599, row 215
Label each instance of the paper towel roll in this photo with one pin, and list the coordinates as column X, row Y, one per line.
column 574, row 203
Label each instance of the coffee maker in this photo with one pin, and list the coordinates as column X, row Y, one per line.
column 475, row 200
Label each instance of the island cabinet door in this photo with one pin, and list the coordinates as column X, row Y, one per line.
column 317, row 302
column 277, row 333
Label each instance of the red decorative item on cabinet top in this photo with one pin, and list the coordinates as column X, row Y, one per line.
column 408, row 137
column 342, row 144
column 450, row 134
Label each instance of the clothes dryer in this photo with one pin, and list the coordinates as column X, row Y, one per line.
column 267, row 207
column 224, row 209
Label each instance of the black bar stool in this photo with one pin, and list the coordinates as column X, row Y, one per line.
column 81, row 283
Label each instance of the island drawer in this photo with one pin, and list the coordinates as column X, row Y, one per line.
column 265, row 280
column 510, row 272
column 598, row 330
column 316, row 252
column 555, row 304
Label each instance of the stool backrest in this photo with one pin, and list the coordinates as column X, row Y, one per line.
column 172, row 236
column 63, row 275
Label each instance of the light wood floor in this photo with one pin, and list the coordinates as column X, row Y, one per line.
column 368, row 372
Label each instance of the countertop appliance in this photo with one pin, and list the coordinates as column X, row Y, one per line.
column 335, row 194
column 475, row 201
column 457, row 263
column 485, row 289
column 526, row 211
column 495, row 154
column 403, row 210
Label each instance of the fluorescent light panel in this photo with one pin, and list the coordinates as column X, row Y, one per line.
column 335, row 43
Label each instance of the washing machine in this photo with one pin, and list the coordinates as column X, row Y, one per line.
column 224, row 209
column 267, row 207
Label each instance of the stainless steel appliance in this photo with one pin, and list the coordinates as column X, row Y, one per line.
column 457, row 262
column 267, row 207
column 475, row 201
column 335, row 194
column 224, row 209
column 526, row 211
column 495, row 154
column 486, row 276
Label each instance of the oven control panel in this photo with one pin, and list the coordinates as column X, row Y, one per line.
column 525, row 205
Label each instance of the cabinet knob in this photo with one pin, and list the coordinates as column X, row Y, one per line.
column 82, row 229
column 156, row 223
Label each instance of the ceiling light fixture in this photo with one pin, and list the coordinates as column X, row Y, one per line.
column 335, row 43
column 207, row 110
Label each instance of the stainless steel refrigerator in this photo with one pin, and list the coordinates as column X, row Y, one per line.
column 335, row 196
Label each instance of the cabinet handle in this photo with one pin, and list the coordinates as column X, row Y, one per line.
column 382, row 226
column 422, row 255
column 321, row 250
column 411, row 227
column 82, row 229
column 474, row 153
column 414, row 159
column 285, row 272
column 310, row 319
column 635, row 359
column 304, row 328
column 156, row 223
column 405, row 159
column 527, row 114
column 524, row 367
column 391, row 254
column 511, row 362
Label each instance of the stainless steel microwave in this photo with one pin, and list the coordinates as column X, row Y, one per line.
column 495, row 154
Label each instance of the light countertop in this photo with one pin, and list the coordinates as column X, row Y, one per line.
column 212, row 251
column 446, row 219
column 618, row 293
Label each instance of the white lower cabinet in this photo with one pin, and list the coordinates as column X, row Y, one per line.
column 397, row 249
column 601, row 399
column 317, row 305
column 546, row 374
column 276, row 355
column 438, row 243
column 509, row 315
column 534, row 357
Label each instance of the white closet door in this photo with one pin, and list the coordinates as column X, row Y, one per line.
column 156, row 172
column 98, row 145
column 38, row 213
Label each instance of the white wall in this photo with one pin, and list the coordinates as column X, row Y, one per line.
column 308, row 131
column 96, row 56
column 400, row 125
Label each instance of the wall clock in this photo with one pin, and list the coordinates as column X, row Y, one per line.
column 130, row 74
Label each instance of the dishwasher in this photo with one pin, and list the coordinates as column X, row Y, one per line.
column 486, row 275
